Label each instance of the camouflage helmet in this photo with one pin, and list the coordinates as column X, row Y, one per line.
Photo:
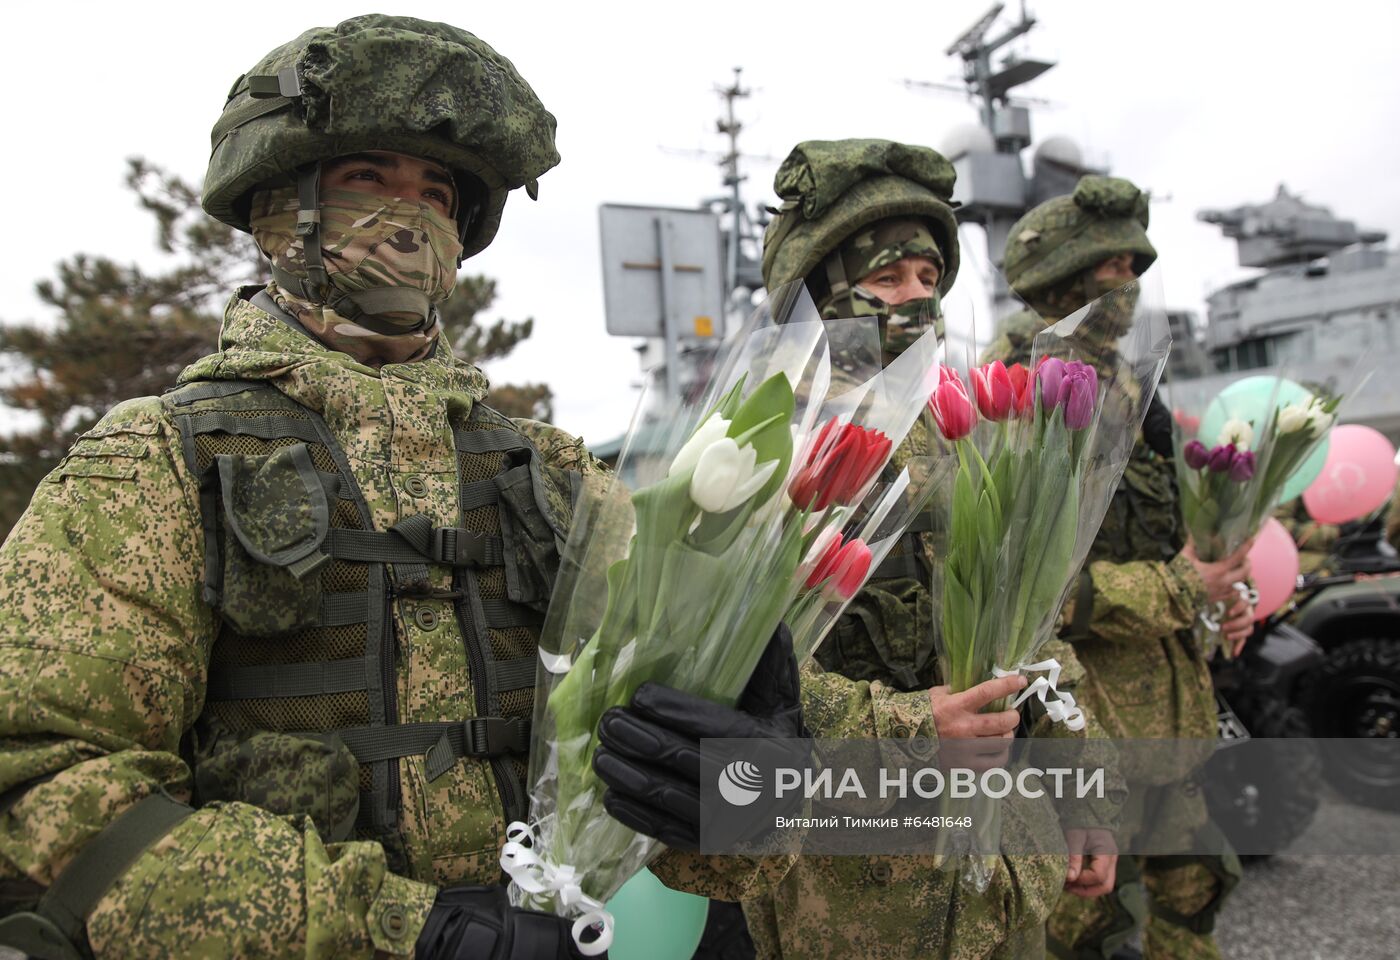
column 377, row 82
column 832, row 188
column 1062, row 237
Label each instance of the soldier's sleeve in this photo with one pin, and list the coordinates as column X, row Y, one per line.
column 1127, row 602
column 104, row 647
column 560, row 449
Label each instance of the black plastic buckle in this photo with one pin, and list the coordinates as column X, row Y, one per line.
column 456, row 547
column 493, row 736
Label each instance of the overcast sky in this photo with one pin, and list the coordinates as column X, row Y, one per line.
column 1206, row 102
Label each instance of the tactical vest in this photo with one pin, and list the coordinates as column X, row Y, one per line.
column 886, row 632
column 303, row 670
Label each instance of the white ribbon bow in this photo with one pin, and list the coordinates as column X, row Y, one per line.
column 1061, row 709
column 536, row 876
column 1213, row 617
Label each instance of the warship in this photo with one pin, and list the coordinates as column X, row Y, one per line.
column 1323, row 305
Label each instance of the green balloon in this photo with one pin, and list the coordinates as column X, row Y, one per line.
column 1249, row 400
column 653, row 922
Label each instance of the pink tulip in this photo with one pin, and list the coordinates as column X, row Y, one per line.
column 994, row 389
column 843, row 567
column 952, row 410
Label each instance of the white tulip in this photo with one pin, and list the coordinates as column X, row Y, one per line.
column 1292, row 418
column 710, row 431
column 1319, row 420
column 726, row 475
column 1238, row 432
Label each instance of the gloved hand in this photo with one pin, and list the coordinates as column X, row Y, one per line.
column 649, row 751
column 478, row 923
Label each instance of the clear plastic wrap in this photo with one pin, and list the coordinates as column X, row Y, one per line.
column 1242, row 448
column 682, row 576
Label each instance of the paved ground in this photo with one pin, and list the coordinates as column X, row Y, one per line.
column 1321, row 907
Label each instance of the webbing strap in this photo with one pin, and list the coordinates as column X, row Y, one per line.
column 246, row 112
column 281, row 680
column 495, row 440
column 344, row 609
column 214, row 389
column 105, row 858
column 364, row 306
column 416, row 540
column 276, row 427
column 480, row 493
column 504, row 614
column 474, row 737
column 515, row 674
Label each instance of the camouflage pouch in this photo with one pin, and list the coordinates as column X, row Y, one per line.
column 886, row 634
column 276, row 518
column 536, row 509
column 289, row 774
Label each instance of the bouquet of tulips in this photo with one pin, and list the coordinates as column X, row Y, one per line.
column 761, row 500
column 1258, row 443
column 1040, row 450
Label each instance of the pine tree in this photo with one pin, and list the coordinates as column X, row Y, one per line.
column 121, row 332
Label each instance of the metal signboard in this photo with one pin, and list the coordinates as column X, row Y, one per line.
column 663, row 272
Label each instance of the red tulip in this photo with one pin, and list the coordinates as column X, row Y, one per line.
column 952, row 410
column 994, row 389
column 1021, row 386
column 844, row 567
column 839, row 463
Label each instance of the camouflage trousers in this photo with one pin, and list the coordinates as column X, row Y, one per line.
column 1173, row 900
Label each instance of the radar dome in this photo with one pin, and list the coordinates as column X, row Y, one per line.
column 968, row 138
column 1062, row 151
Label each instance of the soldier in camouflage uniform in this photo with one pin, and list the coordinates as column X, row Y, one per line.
column 867, row 225
column 1314, row 540
column 268, row 644
column 1131, row 617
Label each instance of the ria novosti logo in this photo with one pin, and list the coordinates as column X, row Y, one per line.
column 740, row 783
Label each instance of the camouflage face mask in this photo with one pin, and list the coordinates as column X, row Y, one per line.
column 871, row 248
column 367, row 242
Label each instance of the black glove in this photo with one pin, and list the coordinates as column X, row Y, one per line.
column 478, row 923
column 649, row 751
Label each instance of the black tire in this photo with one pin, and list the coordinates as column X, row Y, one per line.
column 1263, row 793
column 1355, row 697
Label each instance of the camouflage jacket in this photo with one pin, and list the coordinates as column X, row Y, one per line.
column 1145, row 676
column 105, row 645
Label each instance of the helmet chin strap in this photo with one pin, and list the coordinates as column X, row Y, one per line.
column 360, row 307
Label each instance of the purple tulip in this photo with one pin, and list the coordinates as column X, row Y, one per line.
column 1243, row 467
column 1051, row 374
column 1195, row 454
column 1221, row 458
column 1079, row 402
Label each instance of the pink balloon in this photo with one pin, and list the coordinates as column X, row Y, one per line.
column 1273, row 561
column 1357, row 477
